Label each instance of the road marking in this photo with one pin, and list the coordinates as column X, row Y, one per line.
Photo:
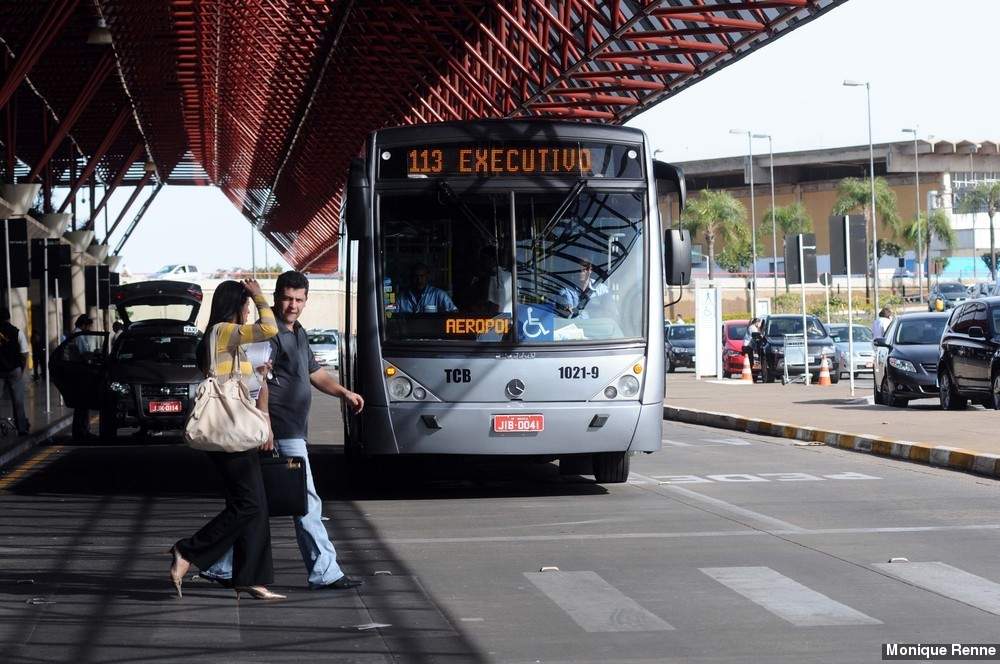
column 729, row 441
column 677, row 443
column 786, row 598
column 594, row 604
column 760, row 477
column 949, row 581
column 28, row 466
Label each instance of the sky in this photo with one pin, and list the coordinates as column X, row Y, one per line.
column 931, row 64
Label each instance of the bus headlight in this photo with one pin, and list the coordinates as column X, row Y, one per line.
column 419, row 393
column 628, row 386
column 610, row 392
column 120, row 388
column 400, row 387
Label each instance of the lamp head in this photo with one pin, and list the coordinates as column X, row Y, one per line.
column 762, row 136
column 852, row 84
column 738, row 131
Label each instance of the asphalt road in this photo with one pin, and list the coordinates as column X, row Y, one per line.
column 722, row 548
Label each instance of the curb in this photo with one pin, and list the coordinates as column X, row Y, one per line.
column 14, row 449
column 954, row 458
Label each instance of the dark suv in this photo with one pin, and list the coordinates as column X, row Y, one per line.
column 148, row 378
column 820, row 345
column 969, row 365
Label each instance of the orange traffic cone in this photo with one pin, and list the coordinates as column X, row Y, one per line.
column 747, row 373
column 824, row 372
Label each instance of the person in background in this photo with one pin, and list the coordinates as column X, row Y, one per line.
column 37, row 354
column 80, row 347
column 881, row 323
column 752, row 343
column 13, row 360
column 680, row 320
column 421, row 297
column 116, row 330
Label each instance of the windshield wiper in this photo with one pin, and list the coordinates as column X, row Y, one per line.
column 457, row 201
column 571, row 198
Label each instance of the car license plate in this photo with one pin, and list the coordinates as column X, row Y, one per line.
column 518, row 423
column 165, row 406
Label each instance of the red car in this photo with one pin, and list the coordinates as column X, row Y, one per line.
column 733, row 332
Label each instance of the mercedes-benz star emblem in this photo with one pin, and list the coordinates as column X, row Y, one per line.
column 515, row 388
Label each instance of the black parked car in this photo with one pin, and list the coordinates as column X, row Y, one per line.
column 969, row 366
column 820, row 345
column 148, row 378
column 948, row 293
column 906, row 359
column 679, row 347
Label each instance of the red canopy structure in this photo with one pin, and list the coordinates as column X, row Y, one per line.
column 270, row 99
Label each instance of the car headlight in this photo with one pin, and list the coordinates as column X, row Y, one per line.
column 119, row 388
column 628, row 386
column 400, row 387
column 902, row 365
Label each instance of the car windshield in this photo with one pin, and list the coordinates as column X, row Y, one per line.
column 779, row 327
column 166, row 269
column 952, row 288
column 447, row 266
column 681, row 333
column 839, row 333
column 737, row 332
column 315, row 339
column 165, row 349
column 920, row 331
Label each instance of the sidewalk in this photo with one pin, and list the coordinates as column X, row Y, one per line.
column 829, row 415
column 43, row 425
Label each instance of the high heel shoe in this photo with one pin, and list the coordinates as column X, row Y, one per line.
column 176, row 572
column 257, row 592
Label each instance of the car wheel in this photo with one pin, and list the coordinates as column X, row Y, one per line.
column 835, row 377
column 950, row 398
column 879, row 401
column 885, row 391
column 995, row 400
column 611, row 467
column 670, row 365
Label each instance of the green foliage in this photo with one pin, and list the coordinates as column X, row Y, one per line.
column 716, row 215
column 983, row 195
column 939, row 227
column 854, row 195
column 737, row 256
column 791, row 219
column 886, row 248
column 988, row 259
column 940, row 263
column 736, row 315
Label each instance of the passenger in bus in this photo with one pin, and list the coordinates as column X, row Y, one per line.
column 489, row 291
column 573, row 300
column 421, row 297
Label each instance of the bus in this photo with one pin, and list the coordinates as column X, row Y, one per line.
column 505, row 291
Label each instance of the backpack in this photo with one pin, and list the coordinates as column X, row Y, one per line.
column 10, row 349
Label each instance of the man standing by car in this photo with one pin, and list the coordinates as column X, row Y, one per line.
column 881, row 323
column 81, row 347
column 13, row 360
column 295, row 372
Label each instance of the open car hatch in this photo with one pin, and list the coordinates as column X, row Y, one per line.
column 157, row 300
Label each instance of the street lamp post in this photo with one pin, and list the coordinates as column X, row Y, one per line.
column 871, row 175
column 774, row 226
column 916, row 173
column 753, row 225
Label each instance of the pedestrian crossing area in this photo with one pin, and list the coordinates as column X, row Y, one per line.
column 597, row 606
column 707, row 442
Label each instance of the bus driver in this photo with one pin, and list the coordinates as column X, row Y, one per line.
column 573, row 299
column 421, row 297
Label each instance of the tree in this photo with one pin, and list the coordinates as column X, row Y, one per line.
column 926, row 228
column 718, row 216
column 854, row 195
column 737, row 255
column 792, row 220
column 984, row 195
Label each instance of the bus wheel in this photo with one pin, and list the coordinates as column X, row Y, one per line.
column 611, row 467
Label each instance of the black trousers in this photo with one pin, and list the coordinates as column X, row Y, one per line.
column 81, row 422
column 243, row 525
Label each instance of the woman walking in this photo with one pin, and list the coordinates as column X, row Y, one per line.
column 243, row 524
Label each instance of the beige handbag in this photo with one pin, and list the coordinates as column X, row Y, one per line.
column 224, row 417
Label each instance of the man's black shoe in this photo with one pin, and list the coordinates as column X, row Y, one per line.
column 343, row 583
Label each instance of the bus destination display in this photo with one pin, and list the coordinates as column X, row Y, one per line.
column 567, row 159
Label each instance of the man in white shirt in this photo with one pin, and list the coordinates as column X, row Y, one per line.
column 13, row 360
column 881, row 323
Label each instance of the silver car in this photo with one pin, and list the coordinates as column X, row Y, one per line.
column 864, row 353
column 326, row 349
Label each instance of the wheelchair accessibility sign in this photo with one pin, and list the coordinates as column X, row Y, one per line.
column 534, row 323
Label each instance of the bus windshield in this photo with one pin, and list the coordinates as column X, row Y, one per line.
column 447, row 265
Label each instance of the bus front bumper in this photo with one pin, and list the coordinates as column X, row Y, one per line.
column 467, row 428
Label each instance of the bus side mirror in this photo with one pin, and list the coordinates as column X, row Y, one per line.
column 677, row 256
column 358, row 198
column 669, row 179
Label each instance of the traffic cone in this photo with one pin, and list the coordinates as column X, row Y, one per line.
column 747, row 373
column 824, row 372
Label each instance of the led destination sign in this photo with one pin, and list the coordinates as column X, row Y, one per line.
column 514, row 159
column 500, row 161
